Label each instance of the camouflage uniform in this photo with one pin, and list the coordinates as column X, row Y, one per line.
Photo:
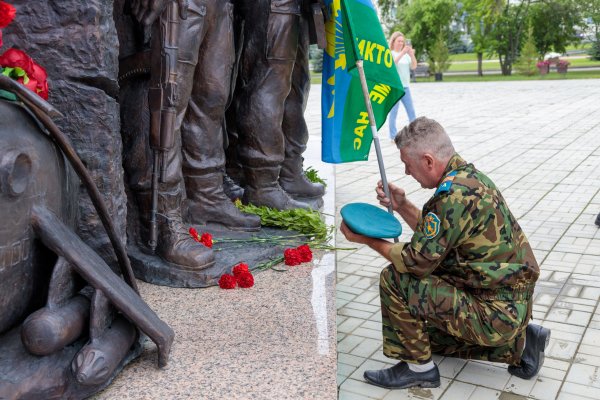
column 462, row 286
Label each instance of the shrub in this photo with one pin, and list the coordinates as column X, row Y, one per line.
column 439, row 57
column 595, row 50
column 526, row 63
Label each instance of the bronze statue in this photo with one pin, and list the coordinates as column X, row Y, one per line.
column 67, row 321
column 178, row 114
column 82, row 74
column 269, row 102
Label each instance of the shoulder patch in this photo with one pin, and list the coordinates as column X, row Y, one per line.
column 431, row 225
column 446, row 183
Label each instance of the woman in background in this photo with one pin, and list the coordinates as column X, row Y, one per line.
column 404, row 58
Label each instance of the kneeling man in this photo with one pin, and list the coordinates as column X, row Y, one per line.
column 463, row 286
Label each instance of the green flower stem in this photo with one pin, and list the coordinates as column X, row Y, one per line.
column 268, row 264
column 258, row 239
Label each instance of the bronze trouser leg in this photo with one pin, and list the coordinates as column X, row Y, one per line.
column 138, row 155
column 206, row 70
column 174, row 244
column 208, row 77
column 294, row 124
column 291, row 177
column 266, row 78
column 137, row 158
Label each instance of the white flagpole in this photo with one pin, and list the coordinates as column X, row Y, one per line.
column 365, row 90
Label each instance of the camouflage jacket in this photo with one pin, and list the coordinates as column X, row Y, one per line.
column 467, row 236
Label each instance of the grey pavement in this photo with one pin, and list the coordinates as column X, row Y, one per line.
column 540, row 142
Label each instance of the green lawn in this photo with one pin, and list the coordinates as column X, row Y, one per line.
column 472, row 66
column 583, row 62
column 584, row 46
column 473, row 56
column 491, row 66
column 316, row 77
column 464, row 57
column 516, row 77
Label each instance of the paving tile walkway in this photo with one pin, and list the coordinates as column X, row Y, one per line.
column 540, row 142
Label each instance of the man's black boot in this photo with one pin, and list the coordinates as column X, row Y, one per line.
column 401, row 377
column 598, row 220
column 536, row 339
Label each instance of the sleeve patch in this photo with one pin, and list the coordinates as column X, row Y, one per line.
column 431, row 225
column 446, row 183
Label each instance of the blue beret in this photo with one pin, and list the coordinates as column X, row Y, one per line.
column 369, row 220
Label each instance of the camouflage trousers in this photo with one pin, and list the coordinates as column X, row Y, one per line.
column 425, row 316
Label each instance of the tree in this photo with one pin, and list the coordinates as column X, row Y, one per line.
column 388, row 8
column 422, row 21
column 506, row 38
column 481, row 19
column 527, row 62
column 315, row 55
column 318, row 61
column 590, row 11
column 439, row 57
column 555, row 24
column 595, row 50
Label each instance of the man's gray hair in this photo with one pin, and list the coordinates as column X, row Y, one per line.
column 425, row 135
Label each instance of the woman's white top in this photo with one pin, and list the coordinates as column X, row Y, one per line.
column 403, row 67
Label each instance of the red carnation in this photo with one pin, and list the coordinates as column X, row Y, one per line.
column 35, row 78
column 239, row 269
column 7, row 14
column 245, row 279
column 227, row 281
column 194, row 234
column 15, row 58
column 291, row 257
column 206, row 239
column 305, row 253
column 40, row 77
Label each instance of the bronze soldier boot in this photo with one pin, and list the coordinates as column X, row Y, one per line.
column 174, row 244
column 232, row 189
column 293, row 180
column 207, row 202
column 262, row 189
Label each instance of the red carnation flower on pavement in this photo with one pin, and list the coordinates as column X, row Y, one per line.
column 227, row 281
column 291, row 257
column 245, row 279
column 239, row 269
column 206, row 239
column 305, row 253
column 7, row 14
